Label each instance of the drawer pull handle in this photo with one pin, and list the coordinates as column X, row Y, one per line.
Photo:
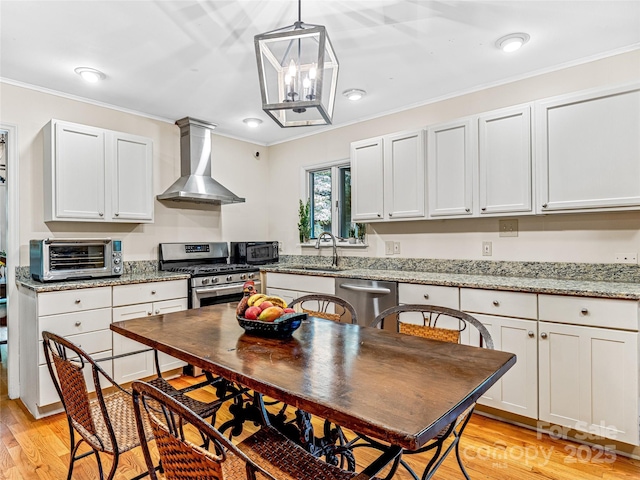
column 584, row 311
column 153, row 292
column 157, row 312
column 78, row 323
column 531, row 334
column 467, row 210
column 77, row 301
column 149, row 313
column 496, row 303
column 544, row 335
column 426, row 296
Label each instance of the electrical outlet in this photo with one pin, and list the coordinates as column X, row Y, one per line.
column 508, row 228
column 388, row 248
column 396, row 248
column 626, row 258
column 486, row 249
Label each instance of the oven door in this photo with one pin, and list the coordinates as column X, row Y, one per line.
column 214, row 295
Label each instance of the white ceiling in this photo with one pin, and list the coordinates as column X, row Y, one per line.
column 174, row 58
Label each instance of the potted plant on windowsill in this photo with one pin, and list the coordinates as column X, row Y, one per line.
column 304, row 225
column 362, row 230
column 352, row 234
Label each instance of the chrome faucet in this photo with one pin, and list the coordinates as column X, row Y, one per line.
column 335, row 248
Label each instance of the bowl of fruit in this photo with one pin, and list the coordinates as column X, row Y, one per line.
column 267, row 316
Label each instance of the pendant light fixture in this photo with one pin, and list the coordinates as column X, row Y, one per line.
column 298, row 72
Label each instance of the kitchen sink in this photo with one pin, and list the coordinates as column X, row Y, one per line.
column 317, row 268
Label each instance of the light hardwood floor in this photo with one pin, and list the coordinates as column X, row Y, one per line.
column 31, row 449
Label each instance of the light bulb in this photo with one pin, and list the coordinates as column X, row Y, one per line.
column 90, row 75
column 312, row 72
column 292, row 68
column 512, row 42
column 287, row 79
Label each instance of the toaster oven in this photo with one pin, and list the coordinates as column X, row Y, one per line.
column 74, row 259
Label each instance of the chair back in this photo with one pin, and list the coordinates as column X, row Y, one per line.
column 70, row 367
column 176, row 428
column 432, row 323
column 326, row 306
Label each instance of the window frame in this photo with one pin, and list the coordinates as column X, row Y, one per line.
column 336, row 194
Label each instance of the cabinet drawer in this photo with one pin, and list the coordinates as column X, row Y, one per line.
column 301, row 283
column 91, row 343
column 592, row 312
column 148, row 292
column 506, row 304
column 51, row 303
column 67, row 324
column 429, row 295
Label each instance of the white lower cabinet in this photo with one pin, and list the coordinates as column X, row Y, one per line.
column 289, row 286
column 161, row 299
column 511, row 318
column 589, row 375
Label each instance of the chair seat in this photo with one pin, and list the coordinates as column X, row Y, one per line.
column 120, row 410
column 202, row 409
column 288, row 461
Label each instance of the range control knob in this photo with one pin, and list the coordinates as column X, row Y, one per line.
column 243, row 276
column 251, row 275
column 215, row 280
column 229, row 278
column 205, row 281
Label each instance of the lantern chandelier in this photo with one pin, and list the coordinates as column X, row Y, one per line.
column 298, row 72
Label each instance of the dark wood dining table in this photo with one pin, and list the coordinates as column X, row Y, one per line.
column 393, row 387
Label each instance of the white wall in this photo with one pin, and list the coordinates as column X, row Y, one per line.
column 590, row 238
column 233, row 165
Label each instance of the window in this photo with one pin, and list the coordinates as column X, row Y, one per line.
column 329, row 188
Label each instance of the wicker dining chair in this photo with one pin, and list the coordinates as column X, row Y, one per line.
column 326, row 306
column 266, row 454
column 446, row 325
column 105, row 421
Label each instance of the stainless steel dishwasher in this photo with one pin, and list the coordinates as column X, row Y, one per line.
column 369, row 298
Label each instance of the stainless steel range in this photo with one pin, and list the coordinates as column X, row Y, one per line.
column 213, row 279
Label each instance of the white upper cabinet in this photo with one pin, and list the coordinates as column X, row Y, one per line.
column 450, row 162
column 588, row 152
column 388, row 177
column 96, row 175
column 367, row 180
column 404, row 165
column 504, row 161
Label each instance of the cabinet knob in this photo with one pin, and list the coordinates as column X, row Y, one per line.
column 379, row 215
column 426, row 296
column 101, row 214
column 584, row 311
column 153, row 292
column 157, row 312
column 78, row 323
column 149, row 313
column 391, row 214
column 544, row 335
column 467, row 210
column 77, row 301
column 484, row 209
column 117, row 214
column 544, row 205
column 531, row 334
column 496, row 303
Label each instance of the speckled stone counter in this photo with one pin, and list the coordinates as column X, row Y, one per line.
column 134, row 272
column 512, row 276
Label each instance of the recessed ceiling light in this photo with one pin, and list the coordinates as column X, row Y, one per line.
column 512, row 42
column 90, row 75
column 252, row 122
column 354, row 94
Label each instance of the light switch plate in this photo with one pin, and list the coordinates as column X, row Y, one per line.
column 388, row 248
column 508, row 228
column 396, row 248
column 486, row 249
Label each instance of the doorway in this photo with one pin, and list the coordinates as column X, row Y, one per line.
column 3, row 244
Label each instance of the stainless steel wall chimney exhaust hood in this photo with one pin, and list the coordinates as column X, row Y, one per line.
column 195, row 183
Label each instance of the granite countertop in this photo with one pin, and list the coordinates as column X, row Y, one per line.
column 125, row 279
column 580, row 287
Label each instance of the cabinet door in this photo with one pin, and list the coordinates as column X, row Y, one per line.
column 450, row 163
column 77, row 170
column 504, row 157
column 588, row 153
column 167, row 362
column 404, row 175
column 287, row 295
column 131, row 165
column 131, row 368
column 517, row 390
column 367, row 184
column 589, row 379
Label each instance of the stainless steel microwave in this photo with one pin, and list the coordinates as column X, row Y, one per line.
column 254, row 253
column 74, row 258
